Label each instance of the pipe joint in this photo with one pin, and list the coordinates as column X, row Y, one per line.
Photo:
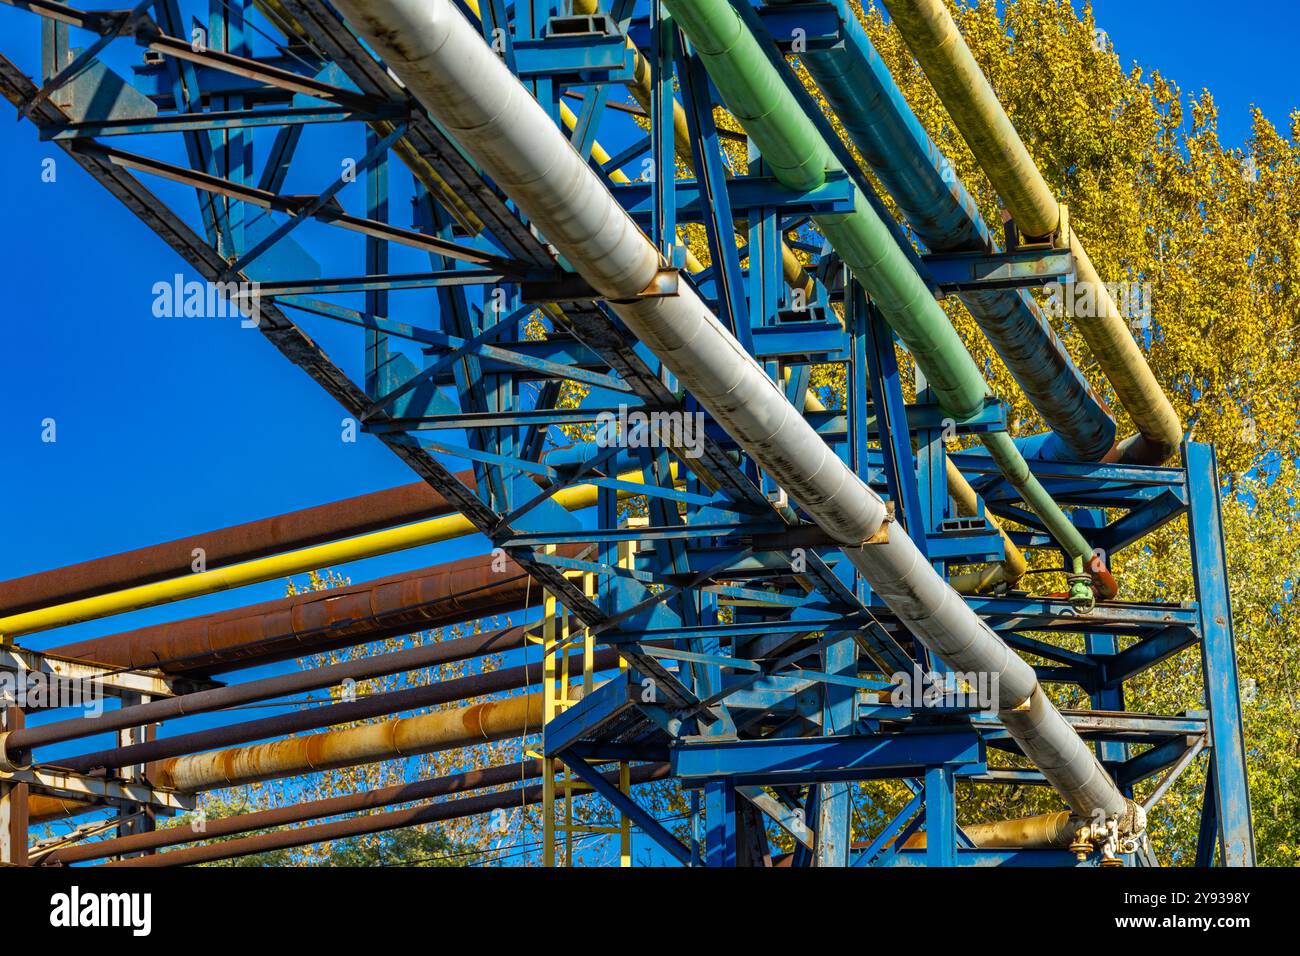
column 1119, row 834
column 1082, row 598
column 1103, row 582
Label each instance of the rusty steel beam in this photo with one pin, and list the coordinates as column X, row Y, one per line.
column 265, row 728
column 372, row 823
column 317, row 621
column 242, row 542
column 219, row 698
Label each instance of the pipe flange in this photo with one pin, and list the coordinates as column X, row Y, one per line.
column 1082, row 598
column 13, row 763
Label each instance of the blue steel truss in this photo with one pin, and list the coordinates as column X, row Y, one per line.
column 756, row 651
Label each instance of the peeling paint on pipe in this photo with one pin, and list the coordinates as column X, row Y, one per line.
column 368, row 743
column 332, row 715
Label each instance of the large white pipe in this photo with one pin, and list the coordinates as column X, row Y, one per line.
column 443, row 60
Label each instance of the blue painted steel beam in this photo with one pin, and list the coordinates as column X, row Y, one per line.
column 745, row 193
column 1218, row 657
column 984, row 271
column 631, row 809
column 817, row 759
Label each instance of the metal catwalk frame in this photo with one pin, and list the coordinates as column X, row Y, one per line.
column 756, row 652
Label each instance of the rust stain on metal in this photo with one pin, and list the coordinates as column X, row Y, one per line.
column 316, row 621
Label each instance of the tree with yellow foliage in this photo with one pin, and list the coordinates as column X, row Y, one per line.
column 1212, row 228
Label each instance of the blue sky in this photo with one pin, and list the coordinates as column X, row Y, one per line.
column 171, row 427
column 1245, row 55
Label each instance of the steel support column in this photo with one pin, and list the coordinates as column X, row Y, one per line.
column 1227, row 768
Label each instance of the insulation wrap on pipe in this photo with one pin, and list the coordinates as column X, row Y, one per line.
column 444, row 62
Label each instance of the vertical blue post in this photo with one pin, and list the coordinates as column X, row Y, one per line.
column 940, row 817
column 891, row 416
column 720, row 823
column 1109, row 752
column 891, row 425
column 663, row 35
column 1227, row 767
column 833, row 809
column 711, row 174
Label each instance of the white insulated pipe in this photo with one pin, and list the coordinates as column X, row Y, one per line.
column 444, row 62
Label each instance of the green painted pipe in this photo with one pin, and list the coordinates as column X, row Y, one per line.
column 933, row 37
column 798, row 156
column 1012, row 464
column 758, row 97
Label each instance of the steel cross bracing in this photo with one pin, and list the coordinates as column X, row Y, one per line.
column 774, row 635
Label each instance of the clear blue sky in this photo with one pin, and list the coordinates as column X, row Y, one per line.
column 1244, row 54
column 171, row 427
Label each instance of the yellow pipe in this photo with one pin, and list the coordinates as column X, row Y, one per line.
column 1007, row 571
column 357, row 548
column 1043, row 832
column 933, row 37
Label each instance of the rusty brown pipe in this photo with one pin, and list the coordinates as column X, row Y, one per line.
column 367, row 743
column 186, row 705
column 265, row 728
column 242, row 542
column 298, row 812
column 317, row 621
column 42, row 808
column 372, row 823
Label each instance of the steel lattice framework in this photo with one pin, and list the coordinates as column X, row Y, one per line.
column 758, row 663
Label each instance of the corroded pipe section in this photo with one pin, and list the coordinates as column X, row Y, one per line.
column 316, row 621
column 369, row 706
column 368, row 743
